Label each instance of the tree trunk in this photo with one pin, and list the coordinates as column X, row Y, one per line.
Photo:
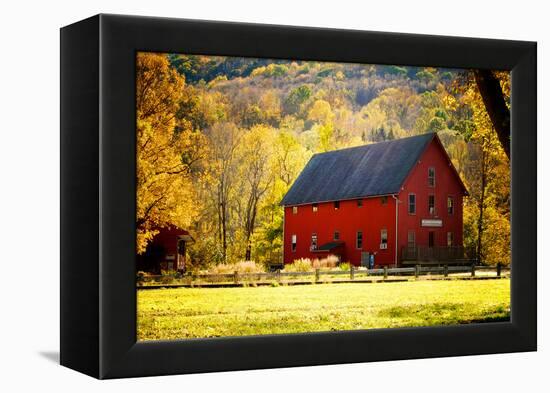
column 495, row 104
column 224, row 230
column 481, row 206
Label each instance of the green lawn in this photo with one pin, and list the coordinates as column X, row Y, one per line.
column 214, row 312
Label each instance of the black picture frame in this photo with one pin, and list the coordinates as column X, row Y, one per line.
column 98, row 171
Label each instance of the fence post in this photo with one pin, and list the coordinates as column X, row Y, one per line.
column 499, row 267
column 473, row 269
column 351, row 272
column 278, row 275
column 416, row 271
column 446, row 270
column 385, row 271
column 317, row 275
column 236, row 277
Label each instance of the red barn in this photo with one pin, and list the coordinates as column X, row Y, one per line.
column 399, row 200
column 166, row 251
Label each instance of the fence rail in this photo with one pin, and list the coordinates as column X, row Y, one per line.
column 354, row 274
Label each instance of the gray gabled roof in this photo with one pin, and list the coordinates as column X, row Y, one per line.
column 369, row 170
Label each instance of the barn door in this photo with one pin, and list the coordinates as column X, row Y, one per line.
column 364, row 258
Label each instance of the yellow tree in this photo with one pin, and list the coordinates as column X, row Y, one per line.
column 223, row 140
column 321, row 114
column 256, row 175
column 287, row 161
column 165, row 194
column 487, row 174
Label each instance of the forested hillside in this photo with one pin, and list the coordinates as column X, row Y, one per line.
column 220, row 141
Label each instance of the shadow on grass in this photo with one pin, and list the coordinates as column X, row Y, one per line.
column 445, row 314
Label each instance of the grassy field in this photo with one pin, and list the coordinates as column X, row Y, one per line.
column 200, row 312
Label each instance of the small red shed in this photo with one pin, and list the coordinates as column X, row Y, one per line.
column 398, row 200
column 167, row 251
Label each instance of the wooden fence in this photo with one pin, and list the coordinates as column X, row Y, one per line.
column 354, row 274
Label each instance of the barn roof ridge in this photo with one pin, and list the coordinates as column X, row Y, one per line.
column 355, row 172
column 375, row 143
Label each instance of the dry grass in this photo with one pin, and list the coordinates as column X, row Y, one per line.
column 307, row 265
column 241, row 267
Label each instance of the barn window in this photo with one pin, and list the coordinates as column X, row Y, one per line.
column 293, row 243
column 384, row 236
column 336, row 205
column 450, row 205
column 359, row 203
column 450, row 239
column 314, row 207
column 313, row 241
column 359, row 240
column 336, row 235
column 384, row 200
column 412, row 204
column 431, row 204
column 411, row 239
column 294, row 209
column 431, row 177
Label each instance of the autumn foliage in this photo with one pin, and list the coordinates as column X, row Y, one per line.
column 220, row 141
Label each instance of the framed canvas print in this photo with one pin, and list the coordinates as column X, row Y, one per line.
column 239, row 196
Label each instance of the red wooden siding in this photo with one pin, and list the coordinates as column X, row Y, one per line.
column 162, row 251
column 348, row 220
column 446, row 184
column 374, row 216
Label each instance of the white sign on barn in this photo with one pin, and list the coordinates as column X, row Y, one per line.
column 432, row 222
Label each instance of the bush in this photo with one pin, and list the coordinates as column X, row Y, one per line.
column 307, row 265
column 299, row 265
column 241, row 267
column 141, row 276
column 344, row 266
column 168, row 276
column 329, row 262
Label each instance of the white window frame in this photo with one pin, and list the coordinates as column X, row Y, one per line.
column 431, row 209
column 293, row 243
column 357, row 240
column 413, row 232
column 431, row 179
column 451, row 198
column 450, row 239
column 314, row 241
column 383, row 236
column 409, row 203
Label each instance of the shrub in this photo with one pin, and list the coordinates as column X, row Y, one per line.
column 329, row 262
column 299, row 265
column 167, row 276
column 344, row 266
column 141, row 276
column 241, row 267
column 307, row 265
